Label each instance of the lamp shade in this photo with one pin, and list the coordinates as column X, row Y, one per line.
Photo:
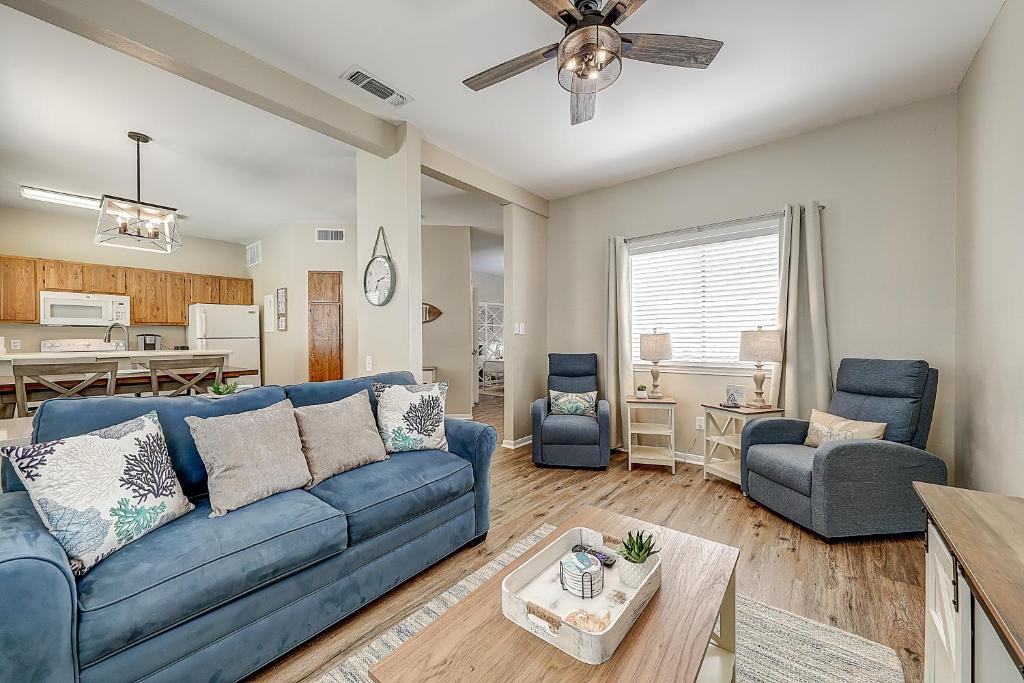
column 656, row 346
column 761, row 346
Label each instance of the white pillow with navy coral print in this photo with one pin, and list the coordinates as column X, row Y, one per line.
column 410, row 417
column 100, row 491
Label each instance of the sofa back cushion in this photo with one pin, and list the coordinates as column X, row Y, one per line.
column 318, row 393
column 575, row 373
column 889, row 391
column 63, row 417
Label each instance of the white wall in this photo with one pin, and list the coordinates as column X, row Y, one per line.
column 889, row 183
column 490, row 288
column 990, row 242
column 448, row 341
column 67, row 234
column 526, row 292
column 289, row 253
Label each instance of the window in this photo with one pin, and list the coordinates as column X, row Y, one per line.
column 705, row 287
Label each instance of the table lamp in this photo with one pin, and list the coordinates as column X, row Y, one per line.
column 760, row 346
column 655, row 347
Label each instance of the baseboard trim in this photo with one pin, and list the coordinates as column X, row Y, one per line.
column 691, row 458
column 460, row 416
column 518, row 443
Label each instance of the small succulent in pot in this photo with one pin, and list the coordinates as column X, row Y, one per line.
column 638, row 551
column 225, row 389
column 641, row 391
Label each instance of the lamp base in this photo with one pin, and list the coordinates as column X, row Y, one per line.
column 758, row 401
column 655, row 391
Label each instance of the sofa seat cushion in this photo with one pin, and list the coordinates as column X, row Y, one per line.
column 571, row 430
column 783, row 463
column 380, row 496
column 195, row 563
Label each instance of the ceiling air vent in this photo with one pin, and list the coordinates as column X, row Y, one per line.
column 330, row 235
column 253, row 254
column 361, row 78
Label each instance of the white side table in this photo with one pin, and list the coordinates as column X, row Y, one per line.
column 652, row 455
column 723, row 428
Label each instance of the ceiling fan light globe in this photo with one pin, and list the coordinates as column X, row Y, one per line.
column 589, row 59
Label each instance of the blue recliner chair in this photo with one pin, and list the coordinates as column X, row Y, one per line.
column 571, row 440
column 858, row 487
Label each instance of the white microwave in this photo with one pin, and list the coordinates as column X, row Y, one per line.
column 83, row 310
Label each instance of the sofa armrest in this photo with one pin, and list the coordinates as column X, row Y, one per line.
column 604, row 423
column 38, row 639
column 539, row 411
column 475, row 442
column 865, row 486
column 769, row 430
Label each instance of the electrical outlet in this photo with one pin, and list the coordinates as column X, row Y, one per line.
column 700, row 423
column 15, row 345
column 369, row 363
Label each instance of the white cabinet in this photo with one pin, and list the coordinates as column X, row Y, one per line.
column 947, row 631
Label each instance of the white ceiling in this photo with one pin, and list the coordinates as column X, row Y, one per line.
column 235, row 171
column 786, row 67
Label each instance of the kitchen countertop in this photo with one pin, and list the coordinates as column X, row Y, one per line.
column 62, row 355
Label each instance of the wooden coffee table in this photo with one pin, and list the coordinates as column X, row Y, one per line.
column 673, row 640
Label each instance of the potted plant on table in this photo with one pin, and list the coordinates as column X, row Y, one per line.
column 641, row 391
column 637, row 552
column 222, row 390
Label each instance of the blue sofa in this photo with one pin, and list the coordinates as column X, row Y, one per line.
column 857, row 487
column 578, row 441
column 216, row 599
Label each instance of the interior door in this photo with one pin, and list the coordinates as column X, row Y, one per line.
column 326, row 343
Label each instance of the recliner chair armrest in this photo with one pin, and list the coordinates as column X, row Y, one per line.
column 769, row 430
column 475, row 442
column 38, row 623
column 539, row 411
column 604, row 424
column 864, row 486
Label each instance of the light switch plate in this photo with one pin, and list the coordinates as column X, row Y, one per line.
column 15, row 345
column 700, row 423
column 369, row 363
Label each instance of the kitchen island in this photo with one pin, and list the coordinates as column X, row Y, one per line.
column 126, row 360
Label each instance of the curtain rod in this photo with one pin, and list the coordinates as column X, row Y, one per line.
column 679, row 231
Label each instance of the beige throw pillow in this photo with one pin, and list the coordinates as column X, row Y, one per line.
column 340, row 436
column 250, row 456
column 827, row 427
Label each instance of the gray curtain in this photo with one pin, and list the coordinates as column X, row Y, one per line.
column 618, row 350
column 804, row 378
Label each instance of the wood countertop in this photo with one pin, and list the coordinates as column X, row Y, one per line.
column 985, row 532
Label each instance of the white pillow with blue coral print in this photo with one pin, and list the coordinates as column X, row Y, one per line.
column 100, row 491
column 410, row 417
column 569, row 403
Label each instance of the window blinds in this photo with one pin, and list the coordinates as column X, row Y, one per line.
column 705, row 287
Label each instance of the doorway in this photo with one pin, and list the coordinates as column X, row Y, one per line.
column 325, row 294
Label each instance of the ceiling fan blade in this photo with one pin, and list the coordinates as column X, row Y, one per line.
column 695, row 53
column 512, row 67
column 582, row 107
column 619, row 10
column 562, row 10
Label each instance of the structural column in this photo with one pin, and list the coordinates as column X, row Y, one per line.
column 388, row 195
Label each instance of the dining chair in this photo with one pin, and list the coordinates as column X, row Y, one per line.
column 39, row 373
column 203, row 366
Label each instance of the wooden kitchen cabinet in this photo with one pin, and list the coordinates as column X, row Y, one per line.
column 204, row 289
column 98, row 279
column 61, row 276
column 177, row 298
column 19, row 290
column 148, row 292
column 235, row 290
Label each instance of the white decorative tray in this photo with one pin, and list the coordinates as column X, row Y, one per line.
column 532, row 597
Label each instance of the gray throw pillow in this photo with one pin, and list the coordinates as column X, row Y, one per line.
column 250, row 456
column 340, row 436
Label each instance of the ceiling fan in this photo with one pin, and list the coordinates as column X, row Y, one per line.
column 591, row 53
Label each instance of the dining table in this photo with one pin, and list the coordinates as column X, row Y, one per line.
column 130, row 382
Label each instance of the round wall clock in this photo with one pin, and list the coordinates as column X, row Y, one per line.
column 379, row 279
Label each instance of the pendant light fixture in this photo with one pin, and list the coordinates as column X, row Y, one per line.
column 135, row 224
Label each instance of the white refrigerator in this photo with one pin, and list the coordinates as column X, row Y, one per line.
column 230, row 328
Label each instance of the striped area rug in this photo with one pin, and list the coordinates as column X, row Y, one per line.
column 772, row 645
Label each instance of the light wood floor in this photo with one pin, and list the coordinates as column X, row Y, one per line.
column 872, row 588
